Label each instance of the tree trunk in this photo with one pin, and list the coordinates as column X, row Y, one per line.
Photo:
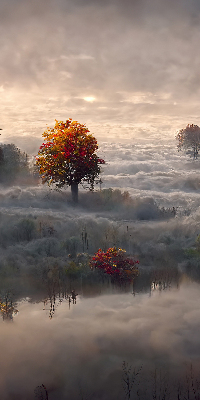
column 74, row 191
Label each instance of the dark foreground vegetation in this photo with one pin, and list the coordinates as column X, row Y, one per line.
column 144, row 385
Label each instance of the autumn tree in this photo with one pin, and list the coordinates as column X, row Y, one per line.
column 68, row 156
column 189, row 138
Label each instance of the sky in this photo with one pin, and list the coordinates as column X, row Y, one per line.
column 127, row 69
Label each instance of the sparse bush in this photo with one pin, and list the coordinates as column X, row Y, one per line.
column 24, row 230
column 122, row 205
column 72, row 245
column 73, row 270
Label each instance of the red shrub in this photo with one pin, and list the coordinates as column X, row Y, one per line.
column 113, row 262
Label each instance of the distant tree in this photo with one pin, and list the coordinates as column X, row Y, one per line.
column 13, row 163
column 68, row 156
column 1, row 156
column 1, row 152
column 189, row 138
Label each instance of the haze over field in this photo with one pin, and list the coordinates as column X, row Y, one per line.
column 127, row 69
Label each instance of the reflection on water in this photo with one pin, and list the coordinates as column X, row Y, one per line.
column 41, row 392
column 165, row 278
column 109, row 345
column 51, row 303
column 7, row 307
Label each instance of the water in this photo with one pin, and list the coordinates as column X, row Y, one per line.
column 77, row 350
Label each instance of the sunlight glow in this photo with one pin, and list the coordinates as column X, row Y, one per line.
column 91, row 99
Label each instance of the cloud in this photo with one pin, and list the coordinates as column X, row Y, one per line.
column 82, row 48
column 119, row 45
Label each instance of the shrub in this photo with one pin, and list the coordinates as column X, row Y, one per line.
column 114, row 263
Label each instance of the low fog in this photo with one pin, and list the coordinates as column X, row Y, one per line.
column 148, row 204
column 37, row 224
column 79, row 353
column 129, row 71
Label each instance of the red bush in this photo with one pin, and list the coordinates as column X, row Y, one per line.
column 113, row 262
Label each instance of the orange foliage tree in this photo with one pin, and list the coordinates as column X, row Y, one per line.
column 68, row 156
column 189, row 138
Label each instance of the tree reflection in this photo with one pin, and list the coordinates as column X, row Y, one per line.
column 55, row 299
column 58, row 287
column 41, row 393
column 164, row 278
column 156, row 279
column 7, row 307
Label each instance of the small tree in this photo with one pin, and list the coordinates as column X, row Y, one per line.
column 13, row 163
column 189, row 138
column 68, row 156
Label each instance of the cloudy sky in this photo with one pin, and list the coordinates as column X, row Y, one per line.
column 128, row 69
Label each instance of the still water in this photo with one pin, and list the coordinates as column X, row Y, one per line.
column 114, row 343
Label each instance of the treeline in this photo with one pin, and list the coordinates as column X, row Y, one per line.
column 15, row 165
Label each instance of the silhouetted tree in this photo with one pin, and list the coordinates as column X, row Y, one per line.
column 1, row 152
column 1, row 156
column 12, row 163
column 189, row 138
column 68, row 156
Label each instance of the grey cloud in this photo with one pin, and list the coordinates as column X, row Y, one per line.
column 69, row 50
column 126, row 53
